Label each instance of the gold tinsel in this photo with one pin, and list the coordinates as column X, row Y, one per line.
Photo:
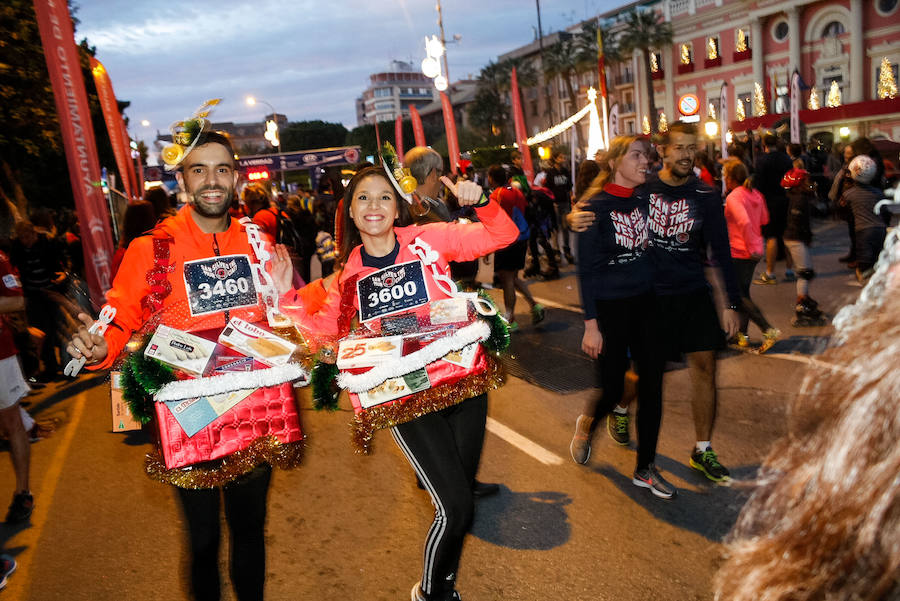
column 266, row 449
column 366, row 422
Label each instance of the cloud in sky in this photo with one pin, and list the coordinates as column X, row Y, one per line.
column 310, row 60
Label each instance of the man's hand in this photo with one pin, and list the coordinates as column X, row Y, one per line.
column 731, row 322
column 466, row 192
column 579, row 219
column 282, row 269
column 84, row 344
column 592, row 341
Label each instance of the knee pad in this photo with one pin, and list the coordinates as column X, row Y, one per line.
column 806, row 274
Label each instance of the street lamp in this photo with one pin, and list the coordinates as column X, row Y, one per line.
column 271, row 129
column 712, row 129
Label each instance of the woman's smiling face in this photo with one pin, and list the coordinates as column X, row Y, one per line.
column 374, row 206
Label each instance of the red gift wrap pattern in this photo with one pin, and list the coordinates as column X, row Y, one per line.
column 257, row 430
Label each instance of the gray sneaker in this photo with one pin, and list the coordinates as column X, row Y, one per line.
column 419, row 595
column 649, row 478
column 580, row 447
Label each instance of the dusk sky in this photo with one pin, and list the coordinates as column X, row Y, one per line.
column 310, row 60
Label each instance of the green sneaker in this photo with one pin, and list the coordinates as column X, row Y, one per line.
column 617, row 426
column 708, row 462
column 538, row 313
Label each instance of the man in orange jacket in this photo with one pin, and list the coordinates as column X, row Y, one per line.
column 158, row 283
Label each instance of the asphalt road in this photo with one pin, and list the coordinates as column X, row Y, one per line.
column 348, row 527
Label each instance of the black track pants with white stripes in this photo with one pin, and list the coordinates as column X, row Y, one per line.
column 444, row 448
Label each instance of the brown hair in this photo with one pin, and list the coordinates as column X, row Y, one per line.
column 824, row 520
column 618, row 148
column 735, row 169
column 349, row 235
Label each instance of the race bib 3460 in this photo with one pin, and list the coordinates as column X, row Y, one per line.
column 392, row 289
column 219, row 284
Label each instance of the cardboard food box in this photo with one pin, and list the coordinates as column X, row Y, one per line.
column 122, row 421
column 181, row 350
column 369, row 352
column 253, row 341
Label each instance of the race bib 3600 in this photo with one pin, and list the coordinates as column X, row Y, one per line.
column 392, row 289
column 219, row 284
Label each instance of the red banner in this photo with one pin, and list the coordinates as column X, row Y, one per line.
column 601, row 62
column 450, row 129
column 64, row 66
column 521, row 132
column 115, row 127
column 398, row 136
column 418, row 130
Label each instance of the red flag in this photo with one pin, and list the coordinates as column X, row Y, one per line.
column 450, row 129
column 601, row 63
column 521, row 133
column 118, row 137
column 398, row 136
column 418, row 130
column 64, row 66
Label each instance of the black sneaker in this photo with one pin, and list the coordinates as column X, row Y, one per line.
column 708, row 462
column 649, row 478
column 570, row 258
column 7, row 566
column 20, row 509
column 617, row 426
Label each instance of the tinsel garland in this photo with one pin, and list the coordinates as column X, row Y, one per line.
column 366, row 422
column 325, row 392
column 229, row 382
column 141, row 379
column 262, row 450
column 498, row 341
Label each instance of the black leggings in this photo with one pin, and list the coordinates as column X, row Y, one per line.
column 245, row 512
column 629, row 324
column 744, row 269
column 444, row 448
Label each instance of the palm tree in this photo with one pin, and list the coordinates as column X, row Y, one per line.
column 562, row 60
column 646, row 30
column 488, row 110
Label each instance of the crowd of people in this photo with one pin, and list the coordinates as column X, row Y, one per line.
column 644, row 220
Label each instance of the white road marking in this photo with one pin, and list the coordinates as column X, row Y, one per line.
column 523, row 444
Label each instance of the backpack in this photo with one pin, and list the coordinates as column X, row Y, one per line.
column 285, row 232
column 521, row 223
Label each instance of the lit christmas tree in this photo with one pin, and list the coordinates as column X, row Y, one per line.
column 741, row 45
column 645, row 126
column 663, row 123
column 712, row 49
column 654, row 63
column 834, row 96
column 739, row 110
column 685, row 54
column 711, row 111
column 759, row 100
column 814, row 99
column 887, row 87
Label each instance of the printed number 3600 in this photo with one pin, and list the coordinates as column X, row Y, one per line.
column 396, row 292
column 229, row 287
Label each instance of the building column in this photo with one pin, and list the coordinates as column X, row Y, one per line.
column 857, row 52
column 795, row 37
column 756, row 49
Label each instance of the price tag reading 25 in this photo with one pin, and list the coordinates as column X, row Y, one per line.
column 391, row 290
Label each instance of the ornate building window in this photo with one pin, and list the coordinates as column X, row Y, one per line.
column 780, row 31
column 834, row 28
column 886, row 8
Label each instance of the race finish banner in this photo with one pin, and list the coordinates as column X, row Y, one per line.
column 64, row 66
column 115, row 126
column 310, row 159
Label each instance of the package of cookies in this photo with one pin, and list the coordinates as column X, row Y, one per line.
column 181, row 350
column 254, row 341
column 368, row 352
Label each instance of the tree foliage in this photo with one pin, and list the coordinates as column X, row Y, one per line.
column 646, row 31
column 306, row 135
column 34, row 169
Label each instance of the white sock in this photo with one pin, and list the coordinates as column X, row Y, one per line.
column 702, row 446
column 27, row 420
column 621, row 410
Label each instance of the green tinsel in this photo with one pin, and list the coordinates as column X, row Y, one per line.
column 142, row 377
column 324, row 390
column 389, row 157
column 499, row 338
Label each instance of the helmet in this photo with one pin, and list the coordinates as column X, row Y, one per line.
column 793, row 178
column 862, row 169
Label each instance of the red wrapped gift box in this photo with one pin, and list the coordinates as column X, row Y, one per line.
column 269, row 411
